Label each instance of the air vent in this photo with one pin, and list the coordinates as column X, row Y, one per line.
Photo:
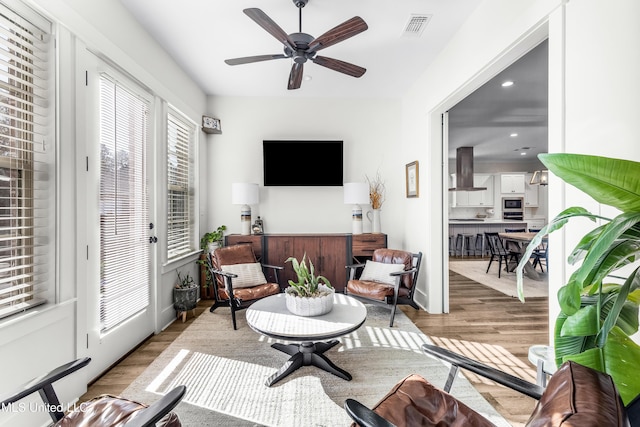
column 416, row 25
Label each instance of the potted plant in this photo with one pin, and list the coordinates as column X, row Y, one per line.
column 311, row 295
column 185, row 294
column 213, row 239
column 598, row 315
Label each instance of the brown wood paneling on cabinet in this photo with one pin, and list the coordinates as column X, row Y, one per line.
column 363, row 245
column 327, row 252
column 254, row 240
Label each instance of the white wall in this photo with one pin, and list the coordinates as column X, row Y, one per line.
column 370, row 130
column 41, row 339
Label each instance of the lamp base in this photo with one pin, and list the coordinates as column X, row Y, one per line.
column 356, row 220
column 245, row 220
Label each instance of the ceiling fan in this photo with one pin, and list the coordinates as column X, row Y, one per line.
column 302, row 47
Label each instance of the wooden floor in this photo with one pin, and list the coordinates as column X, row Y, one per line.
column 482, row 323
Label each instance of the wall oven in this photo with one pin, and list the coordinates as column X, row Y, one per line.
column 512, row 209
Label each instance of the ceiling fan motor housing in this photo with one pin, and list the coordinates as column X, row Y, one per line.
column 302, row 41
column 300, row 3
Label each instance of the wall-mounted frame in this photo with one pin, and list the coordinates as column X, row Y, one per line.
column 413, row 189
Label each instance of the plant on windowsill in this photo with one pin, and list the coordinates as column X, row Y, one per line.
column 597, row 315
column 311, row 295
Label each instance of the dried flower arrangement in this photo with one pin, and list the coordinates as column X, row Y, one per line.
column 376, row 191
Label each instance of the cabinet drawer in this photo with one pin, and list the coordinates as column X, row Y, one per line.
column 252, row 239
column 365, row 244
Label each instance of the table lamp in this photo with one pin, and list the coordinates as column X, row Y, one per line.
column 356, row 193
column 244, row 194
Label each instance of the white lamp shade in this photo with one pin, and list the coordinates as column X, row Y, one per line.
column 244, row 193
column 356, row 193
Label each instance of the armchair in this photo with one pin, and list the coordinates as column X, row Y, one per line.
column 239, row 280
column 105, row 410
column 575, row 396
column 389, row 278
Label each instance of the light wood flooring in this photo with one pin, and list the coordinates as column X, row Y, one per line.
column 482, row 323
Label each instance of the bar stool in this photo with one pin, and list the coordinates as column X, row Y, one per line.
column 464, row 242
column 479, row 246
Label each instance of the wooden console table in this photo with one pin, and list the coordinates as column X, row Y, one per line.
column 330, row 253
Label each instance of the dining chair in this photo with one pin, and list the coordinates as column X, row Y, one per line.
column 499, row 252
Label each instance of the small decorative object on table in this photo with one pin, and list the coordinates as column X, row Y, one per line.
column 311, row 295
column 258, row 226
column 185, row 296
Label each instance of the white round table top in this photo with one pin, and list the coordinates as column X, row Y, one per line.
column 270, row 317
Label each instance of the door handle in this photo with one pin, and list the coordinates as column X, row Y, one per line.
column 153, row 239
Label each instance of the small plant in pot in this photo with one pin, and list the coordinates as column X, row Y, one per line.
column 185, row 293
column 311, row 295
column 213, row 239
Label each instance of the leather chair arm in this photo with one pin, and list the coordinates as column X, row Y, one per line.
column 150, row 416
column 403, row 272
column 460, row 361
column 274, row 267
column 39, row 383
column 364, row 416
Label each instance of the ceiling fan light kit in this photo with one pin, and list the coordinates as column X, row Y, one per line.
column 301, row 47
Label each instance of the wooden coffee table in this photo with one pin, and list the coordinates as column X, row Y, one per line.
column 269, row 316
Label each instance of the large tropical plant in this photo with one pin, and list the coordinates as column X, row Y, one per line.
column 599, row 311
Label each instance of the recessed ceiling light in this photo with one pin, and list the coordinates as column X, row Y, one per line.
column 507, row 83
column 524, row 153
column 513, row 135
column 307, row 78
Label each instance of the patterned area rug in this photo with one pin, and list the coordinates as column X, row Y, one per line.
column 225, row 372
column 477, row 271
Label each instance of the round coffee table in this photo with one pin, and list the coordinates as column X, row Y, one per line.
column 269, row 316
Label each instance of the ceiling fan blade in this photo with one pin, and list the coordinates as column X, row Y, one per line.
column 347, row 29
column 270, row 26
column 250, row 59
column 340, row 66
column 295, row 77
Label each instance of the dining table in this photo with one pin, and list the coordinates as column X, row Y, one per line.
column 520, row 240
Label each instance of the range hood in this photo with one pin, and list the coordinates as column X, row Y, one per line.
column 464, row 170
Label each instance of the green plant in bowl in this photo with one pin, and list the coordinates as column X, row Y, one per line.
column 308, row 282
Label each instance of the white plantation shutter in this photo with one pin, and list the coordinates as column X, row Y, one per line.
column 180, row 184
column 26, row 162
column 124, row 223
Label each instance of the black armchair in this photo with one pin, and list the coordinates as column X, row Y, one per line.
column 103, row 410
column 575, row 396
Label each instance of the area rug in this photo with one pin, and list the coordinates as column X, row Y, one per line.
column 477, row 271
column 225, row 372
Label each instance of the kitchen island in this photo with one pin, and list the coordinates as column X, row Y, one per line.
column 475, row 226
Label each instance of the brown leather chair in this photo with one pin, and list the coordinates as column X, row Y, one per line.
column 101, row 411
column 249, row 286
column 576, row 396
column 396, row 288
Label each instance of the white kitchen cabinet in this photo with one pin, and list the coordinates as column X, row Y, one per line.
column 482, row 198
column 531, row 193
column 512, row 183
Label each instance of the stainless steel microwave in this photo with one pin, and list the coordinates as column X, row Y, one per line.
column 511, row 204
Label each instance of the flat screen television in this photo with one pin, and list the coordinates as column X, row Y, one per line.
column 302, row 163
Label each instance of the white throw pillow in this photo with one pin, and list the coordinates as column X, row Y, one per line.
column 248, row 274
column 379, row 272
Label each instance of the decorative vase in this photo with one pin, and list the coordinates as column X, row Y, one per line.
column 374, row 217
column 310, row 306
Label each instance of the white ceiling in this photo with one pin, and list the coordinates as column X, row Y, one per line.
column 201, row 34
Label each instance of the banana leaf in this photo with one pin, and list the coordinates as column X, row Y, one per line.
column 613, row 182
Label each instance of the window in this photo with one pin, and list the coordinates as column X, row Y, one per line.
column 180, row 186
column 26, row 165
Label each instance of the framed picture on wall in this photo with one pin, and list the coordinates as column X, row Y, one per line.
column 412, row 179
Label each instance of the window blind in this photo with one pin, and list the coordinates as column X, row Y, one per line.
column 26, row 153
column 124, row 223
column 180, row 193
